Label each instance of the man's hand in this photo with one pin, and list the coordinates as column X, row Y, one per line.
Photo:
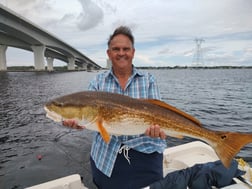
column 71, row 123
column 155, row 132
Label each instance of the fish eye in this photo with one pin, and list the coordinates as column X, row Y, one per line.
column 58, row 103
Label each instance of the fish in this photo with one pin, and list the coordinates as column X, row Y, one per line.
column 117, row 114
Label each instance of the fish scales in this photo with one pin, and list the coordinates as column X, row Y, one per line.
column 110, row 113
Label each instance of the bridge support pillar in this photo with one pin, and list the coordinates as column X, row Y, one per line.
column 49, row 63
column 3, row 65
column 39, row 61
column 84, row 66
column 71, row 64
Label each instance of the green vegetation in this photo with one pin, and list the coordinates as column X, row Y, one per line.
column 197, row 67
column 31, row 68
column 64, row 68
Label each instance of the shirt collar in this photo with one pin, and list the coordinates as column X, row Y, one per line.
column 135, row 72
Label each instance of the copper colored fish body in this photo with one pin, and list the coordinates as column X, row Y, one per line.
column 110, row 113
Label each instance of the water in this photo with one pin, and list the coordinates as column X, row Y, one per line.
column 221, row 99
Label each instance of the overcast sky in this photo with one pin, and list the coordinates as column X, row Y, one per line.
column 164, row 30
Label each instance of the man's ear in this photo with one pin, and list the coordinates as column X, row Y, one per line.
column 108, row 53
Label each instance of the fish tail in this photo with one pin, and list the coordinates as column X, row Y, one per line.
column 229, row 144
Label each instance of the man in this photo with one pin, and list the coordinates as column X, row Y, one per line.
column 134, row 162
column 129, row 162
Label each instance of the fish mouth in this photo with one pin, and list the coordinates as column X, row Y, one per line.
column 52, row 115
column 58, row 118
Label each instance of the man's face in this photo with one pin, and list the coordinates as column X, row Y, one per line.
column 121, row 51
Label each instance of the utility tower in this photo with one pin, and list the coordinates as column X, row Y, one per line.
column 198, row 55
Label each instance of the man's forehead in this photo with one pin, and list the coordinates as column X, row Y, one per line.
column 121, row 39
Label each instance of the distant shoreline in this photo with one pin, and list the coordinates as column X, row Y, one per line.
column 64, row 69
column 32, row 69
column 197, row 67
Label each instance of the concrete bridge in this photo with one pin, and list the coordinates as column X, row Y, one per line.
column 16, row 31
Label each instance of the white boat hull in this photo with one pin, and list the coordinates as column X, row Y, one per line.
column 175, row 158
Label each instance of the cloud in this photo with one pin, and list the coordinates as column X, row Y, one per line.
column 188, row 53
column 27, row 8
column 90, row 16
column 164, row 30
column 165, row 51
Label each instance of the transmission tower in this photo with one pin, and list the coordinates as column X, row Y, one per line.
column 198, row 55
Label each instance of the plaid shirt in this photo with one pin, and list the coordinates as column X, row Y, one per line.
column 139, row 85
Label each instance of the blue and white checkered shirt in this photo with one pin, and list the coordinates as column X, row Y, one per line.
column 139, row 85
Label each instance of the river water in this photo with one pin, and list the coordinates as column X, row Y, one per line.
column 34, row 149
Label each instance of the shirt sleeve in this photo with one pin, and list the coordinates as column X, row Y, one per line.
column 93, row 85
column 153, row 92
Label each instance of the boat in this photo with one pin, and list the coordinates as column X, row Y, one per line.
column 175, row 158
column 189, row 154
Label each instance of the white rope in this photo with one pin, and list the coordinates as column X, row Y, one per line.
column 125, row 149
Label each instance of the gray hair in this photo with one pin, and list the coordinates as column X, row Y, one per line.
column 124, row 30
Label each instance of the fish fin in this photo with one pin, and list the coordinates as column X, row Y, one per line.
column 229, row 144
column 104, row 133
column 172, row 108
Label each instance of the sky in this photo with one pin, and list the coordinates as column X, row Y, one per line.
column 164, row 30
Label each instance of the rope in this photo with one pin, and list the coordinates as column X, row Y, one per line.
column 125, row 149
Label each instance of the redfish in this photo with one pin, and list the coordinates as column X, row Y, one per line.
column 115, row 114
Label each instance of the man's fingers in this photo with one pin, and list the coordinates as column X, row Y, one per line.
column 80, row 127
column 162, row 135
column 147, row 132
column 72, row 124
column 154, row 131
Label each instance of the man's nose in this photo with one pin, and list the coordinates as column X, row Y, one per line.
column 121, row 52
